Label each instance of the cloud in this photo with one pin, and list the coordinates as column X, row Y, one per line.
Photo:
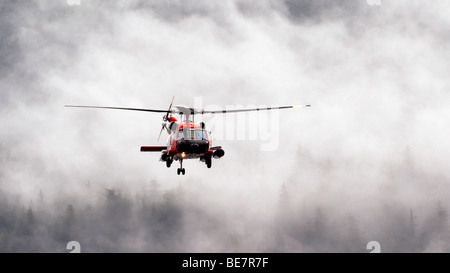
column 371, row 149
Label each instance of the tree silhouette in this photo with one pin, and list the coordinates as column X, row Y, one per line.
column 167, row 221
column 29, row 222
column 352, row 241
column 412, row 231
column 442, row 228
column 315, row 235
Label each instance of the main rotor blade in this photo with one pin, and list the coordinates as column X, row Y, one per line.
column 166, row 116
column 122, row 108
column 170, row 106
column 253, row 109
column 160, row 132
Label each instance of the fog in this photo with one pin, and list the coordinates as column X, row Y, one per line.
column 367, row 162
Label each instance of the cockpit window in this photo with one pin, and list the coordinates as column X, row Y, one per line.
column 190, row 133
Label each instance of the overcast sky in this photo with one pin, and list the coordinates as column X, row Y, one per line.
column 375, row 136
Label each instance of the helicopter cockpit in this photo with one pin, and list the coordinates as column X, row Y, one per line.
column 192, row 133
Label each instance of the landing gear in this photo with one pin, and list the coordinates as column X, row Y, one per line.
column 181, row 170
column 208, row 161
column 169, row 161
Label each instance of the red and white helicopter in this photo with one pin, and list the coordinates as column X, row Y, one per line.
column 187, row 139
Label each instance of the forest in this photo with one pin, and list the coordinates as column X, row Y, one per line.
column 367, row 162
column 178, row 220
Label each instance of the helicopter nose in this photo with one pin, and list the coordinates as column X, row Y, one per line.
column 195, row 148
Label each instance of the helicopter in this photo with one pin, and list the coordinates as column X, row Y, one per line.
column 187, row 139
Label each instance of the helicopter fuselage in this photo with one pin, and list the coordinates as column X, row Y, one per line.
column 187, row 140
